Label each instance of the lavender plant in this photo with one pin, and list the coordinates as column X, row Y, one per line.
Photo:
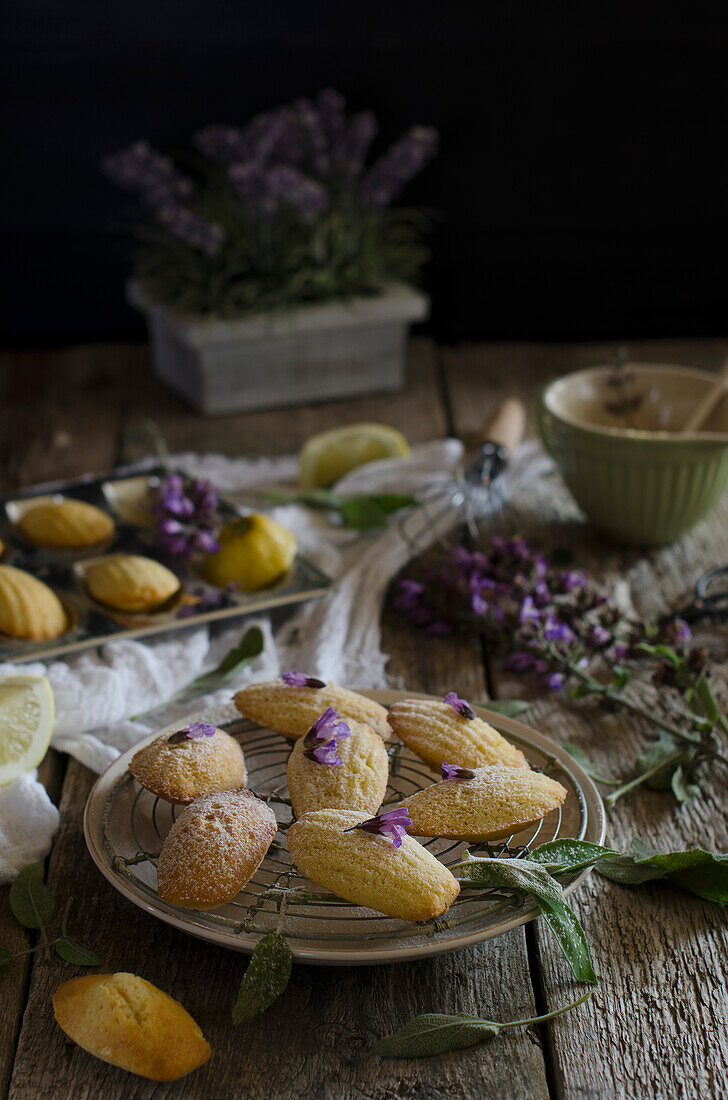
column 557, row 625
column 278, row 213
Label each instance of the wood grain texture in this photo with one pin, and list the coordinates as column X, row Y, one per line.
column 656, row 1026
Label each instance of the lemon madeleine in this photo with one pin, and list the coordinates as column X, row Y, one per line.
column 437, row 732
column 29, row 609
column 291, row 709
column 65, row 524
column 130, row 582
column 358, row 782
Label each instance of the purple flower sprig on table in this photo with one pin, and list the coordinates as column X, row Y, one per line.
column 294, row 678
column 195, row 732
column 186, row 516
column 321, row 743
column 559, row 626
column 200, row 599
column 393, row 824
column 454, row 771
column 462, row 706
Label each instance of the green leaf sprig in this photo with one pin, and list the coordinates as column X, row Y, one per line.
column 702, row 873
column 250, row 646
column 265, row 978
column 360, row 511
column 33, row 905
column 438, row 1032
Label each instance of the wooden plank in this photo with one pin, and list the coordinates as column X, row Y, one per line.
column 48, row 400
column 658, row 951
column 315, row 1042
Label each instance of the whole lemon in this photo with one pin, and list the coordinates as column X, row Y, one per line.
column 254, row 552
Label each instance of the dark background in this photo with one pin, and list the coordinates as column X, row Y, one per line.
column 582, row 179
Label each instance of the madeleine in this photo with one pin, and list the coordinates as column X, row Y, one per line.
column 436, row 732
column 359, row 782
column 29, row 609
column 130, row 582
column 65, row 524
column 182, row 765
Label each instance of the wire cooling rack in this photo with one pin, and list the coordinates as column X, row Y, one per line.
column 125, row 826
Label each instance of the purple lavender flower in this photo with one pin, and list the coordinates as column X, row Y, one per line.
column 479, row 604
column 195, row 732
column 556, row 631
column 528, row 612
column 331, row 106
column 392, row 824
column 251, row 182
column 676, row 633
column 460, row 705
column 294, row 678
column 226, row 144
column 186, row 516
column 598, row 637
column 393, row 171
column 191, row 228
column 141, row 168
column 454, row 771
column 288, row 185
column 315, row 141
column 520, row 661
column 321, row 741
column 202, row 599
column 554, row 680
column 572, row 579
column 354, row 143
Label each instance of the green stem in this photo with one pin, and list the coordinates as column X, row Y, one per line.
column 676, row 758
column 549, row 1015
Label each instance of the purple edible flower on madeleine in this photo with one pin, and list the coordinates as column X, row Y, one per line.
column 460, row 705
column 454, row 771
column 294, row 678
column 195, row 732
column 392, row 824
column 322, row 740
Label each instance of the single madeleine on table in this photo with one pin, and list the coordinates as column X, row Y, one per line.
column 185, row 764
column 292, row 704
column 214, row 847
column 483, row 804
column 29, row 609
column 372, row 862
column 451, row 731
column 128, row 1022
column 339, row 765
column 65, row 524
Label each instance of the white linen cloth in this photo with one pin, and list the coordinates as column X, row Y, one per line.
column 336, row 638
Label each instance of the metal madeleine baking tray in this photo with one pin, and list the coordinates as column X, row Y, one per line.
column 121, row 493
column 125, row 825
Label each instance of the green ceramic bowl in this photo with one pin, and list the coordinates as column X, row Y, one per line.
column 639, row 478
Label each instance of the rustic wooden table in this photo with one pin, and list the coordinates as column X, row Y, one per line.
column 656, row 1025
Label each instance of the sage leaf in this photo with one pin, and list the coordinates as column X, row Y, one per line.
column 702, row 873
column 663, row 751
column 561, row 857
column 532, row 878
column 31, row 901
column 570, row 936
column 265, row 979
column 5, row 956
column 587, row 766
column 509, row 708
column 436, row 1033
column 627, row 871
column 249, row 647
column 359, row 511
column 75, row 953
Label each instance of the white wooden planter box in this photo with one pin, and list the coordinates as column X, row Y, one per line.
column 313, row 353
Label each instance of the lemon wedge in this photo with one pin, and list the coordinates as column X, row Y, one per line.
column 329, row 455
column 254, row 552
column 26, row 724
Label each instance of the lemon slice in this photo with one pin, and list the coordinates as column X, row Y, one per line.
column 329, row 455
column 26, row 724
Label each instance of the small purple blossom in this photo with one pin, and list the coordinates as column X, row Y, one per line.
column 186, row 516
column 321, row 741
column 598, row 637
column 194, row 230
column 554, row 680
column 572, row 579
column 520, row 662
column 142, row 169
column 556, row 631
column 298, row 191
column 528, row 612
column 195, row 732
column 393, row 824
column 676, row 633
column 454, row 771
column 294, row 678
column 393, row 171
column 460, row 705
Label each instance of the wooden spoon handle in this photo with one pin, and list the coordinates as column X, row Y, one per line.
column 507, row 424
column 705, row 407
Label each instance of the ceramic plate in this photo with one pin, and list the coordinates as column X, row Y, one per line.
column 125, row 826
